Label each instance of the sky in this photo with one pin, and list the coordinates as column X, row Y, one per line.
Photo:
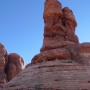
column 22, row 25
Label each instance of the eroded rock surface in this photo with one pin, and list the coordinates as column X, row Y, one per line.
column 3, row 62
column 15, row 65
column 59, row 32
column 84, row 52
column 63, row 63
column 10, row 65
column 59, row 27
column 52, row 75
column 61, row 54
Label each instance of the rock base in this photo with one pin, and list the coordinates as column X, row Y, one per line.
column 52, row 75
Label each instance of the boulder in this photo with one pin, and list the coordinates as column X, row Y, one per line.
column 15, row 65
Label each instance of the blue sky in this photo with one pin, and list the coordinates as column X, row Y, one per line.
column 22, row 26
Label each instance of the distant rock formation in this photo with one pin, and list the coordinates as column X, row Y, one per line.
column 14, row 66
column 63, row 63
column 10, row 65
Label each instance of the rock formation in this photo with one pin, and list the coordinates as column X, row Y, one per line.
column 10, row 65
column 63, row 63
column 52, row 75
column 15, row 65
column 3, row 62
column 59, row 32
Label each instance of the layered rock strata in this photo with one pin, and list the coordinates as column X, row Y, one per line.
column 80, row 53
column 63, row 63
column 52, row 75
column 10, row 65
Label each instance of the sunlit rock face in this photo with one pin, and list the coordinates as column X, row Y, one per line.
column 63, row 63
column 59, row 32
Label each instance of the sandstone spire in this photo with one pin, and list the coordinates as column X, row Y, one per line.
column 59, row 32
column 60, row 24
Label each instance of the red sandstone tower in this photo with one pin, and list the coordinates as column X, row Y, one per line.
column 59, row 32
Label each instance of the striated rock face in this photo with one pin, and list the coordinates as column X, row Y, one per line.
column 10, row 65
column 15, row 65
column 52, row 55
column 52, row 75
column 63, row 63
column 84, row 51
column 80, row 53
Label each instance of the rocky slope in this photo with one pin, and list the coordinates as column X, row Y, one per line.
column 52, row 75
column 63, row 63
